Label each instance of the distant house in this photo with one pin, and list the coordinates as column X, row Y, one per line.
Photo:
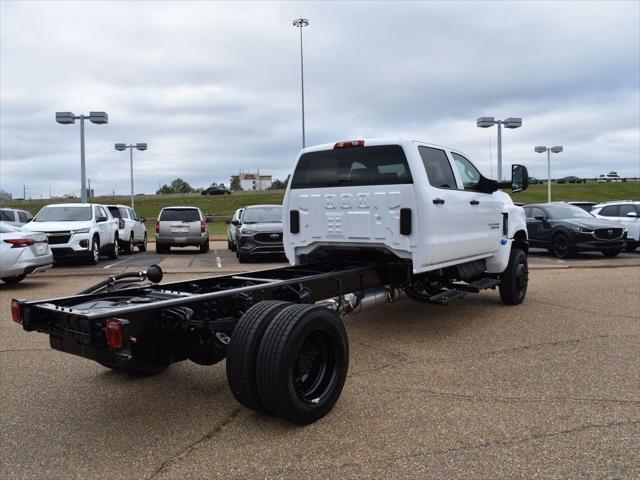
column 254, row 182
column 5, row 196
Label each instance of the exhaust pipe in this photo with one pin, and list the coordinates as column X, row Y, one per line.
column 372, row 297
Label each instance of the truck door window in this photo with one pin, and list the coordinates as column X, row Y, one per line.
column 437, row 167
column 611, row 211
column 468, row 173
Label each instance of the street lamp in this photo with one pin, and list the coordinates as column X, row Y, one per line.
column 511, row 122
column 541, row 149
column 301, row 23
column 121, row 147
column 66, row 118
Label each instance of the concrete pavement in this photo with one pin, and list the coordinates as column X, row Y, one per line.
column 548, row 389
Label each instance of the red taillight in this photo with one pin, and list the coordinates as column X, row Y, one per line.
column 15, row 311
column 203, row 227
column 20, row 242
column 113, row 332
column 349, row 144
column 157, row 227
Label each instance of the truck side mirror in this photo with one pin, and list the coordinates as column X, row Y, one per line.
column 632, row 214
column 236, row 223
column 519, row 178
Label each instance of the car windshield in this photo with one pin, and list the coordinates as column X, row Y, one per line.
column 262, row 215
column 8, row 228
column 567, row 212
column 180, row 214
column 64, row 214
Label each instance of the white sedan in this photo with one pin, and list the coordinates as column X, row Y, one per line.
column 22, row 253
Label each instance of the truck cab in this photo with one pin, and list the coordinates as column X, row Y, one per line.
column 405, row 199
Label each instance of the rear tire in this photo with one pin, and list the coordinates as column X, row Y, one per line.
column 114, row 251
column 614, row 252
column 302, row 363
column 13, row 279
column 631, row 247
column 243, row 352
column 515, row 278
column 128, row 248
column 162, row 249
column 204, row 248
column 143, row 246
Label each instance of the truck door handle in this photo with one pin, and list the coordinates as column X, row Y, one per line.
column 438, row 201
column 474, row 202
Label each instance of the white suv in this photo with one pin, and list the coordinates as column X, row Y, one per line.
column 627, row 213
column 132, row 231
column 78, row 230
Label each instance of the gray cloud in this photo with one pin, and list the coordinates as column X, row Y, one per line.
column 213, row 87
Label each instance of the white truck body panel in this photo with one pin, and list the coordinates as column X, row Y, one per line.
column 466, row 227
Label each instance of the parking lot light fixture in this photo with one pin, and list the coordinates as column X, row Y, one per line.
column 511, row 122
column 301, row 23
column 67, row 118
column 542, row 149
column 122, row 147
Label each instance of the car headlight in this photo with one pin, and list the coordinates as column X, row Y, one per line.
column 80, row 230
column 582, row 230
column 248, row 232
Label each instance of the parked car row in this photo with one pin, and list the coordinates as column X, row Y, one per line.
column 566, row 228
column 256, row 232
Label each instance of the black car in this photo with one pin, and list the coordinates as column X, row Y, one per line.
column 215, row 190
column 259, row 232
column 567, row 229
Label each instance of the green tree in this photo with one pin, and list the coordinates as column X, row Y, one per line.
column 234, row 185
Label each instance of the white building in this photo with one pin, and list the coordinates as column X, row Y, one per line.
column 254, row 182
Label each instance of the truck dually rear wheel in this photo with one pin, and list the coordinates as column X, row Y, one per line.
column 243, row 352
column 302, row 363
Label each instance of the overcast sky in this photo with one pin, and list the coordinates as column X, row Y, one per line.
column 214, row 87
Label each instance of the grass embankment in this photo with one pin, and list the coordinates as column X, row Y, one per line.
column 222, row 207
column 149, row 206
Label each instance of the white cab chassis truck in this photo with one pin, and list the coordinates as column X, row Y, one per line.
column 364, row 222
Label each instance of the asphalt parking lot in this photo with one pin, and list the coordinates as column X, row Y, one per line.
column 548, row 389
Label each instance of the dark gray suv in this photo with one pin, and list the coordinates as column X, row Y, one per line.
column 259, row 232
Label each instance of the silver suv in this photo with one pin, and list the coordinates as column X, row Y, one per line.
column 181, row 227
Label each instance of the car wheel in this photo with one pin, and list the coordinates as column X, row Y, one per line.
column 515, row 278
column 128, row 247
column 94, row 255
column 143, row 246
column 204, row 248
column 243, row 352
column 631, row 247
column 13, row 279
column 560, row 246
column 160, row 249
column 115, row 249
column 613, row 252
column 302, row 363
column 243, row 258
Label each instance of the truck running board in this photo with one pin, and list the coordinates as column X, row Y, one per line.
column 460, row 290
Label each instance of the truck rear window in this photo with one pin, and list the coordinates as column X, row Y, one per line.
column 180, row 214
column 349, row 167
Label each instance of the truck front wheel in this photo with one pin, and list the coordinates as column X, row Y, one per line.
column 302, row 363
column 515, row 278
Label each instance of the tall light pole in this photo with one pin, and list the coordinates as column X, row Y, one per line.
column 66, row 118
column 542, row 149
column 122, row 147
column 511, row 122
column 301, row 23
